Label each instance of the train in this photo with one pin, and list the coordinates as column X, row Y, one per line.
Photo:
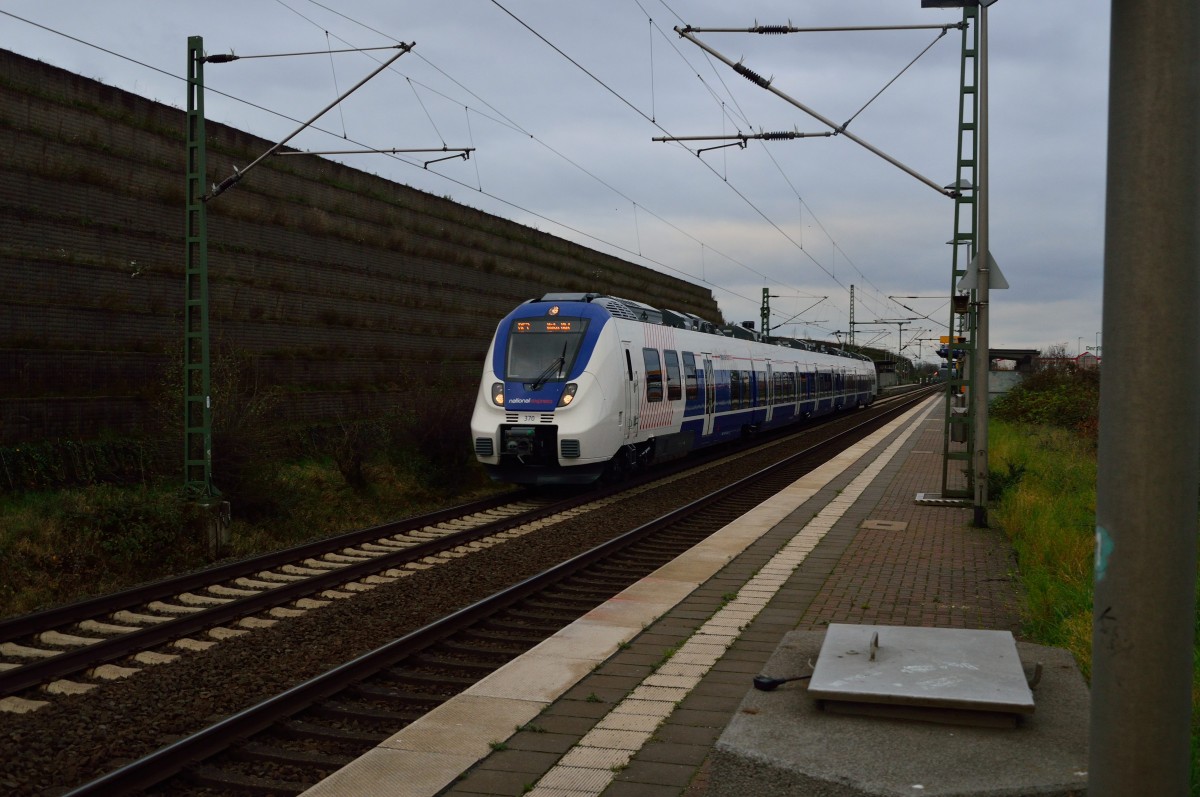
column 580, row 387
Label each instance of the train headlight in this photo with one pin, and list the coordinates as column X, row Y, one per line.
column 568, row 394
column 498, row 394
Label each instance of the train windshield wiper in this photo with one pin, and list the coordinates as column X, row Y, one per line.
column 554, row 366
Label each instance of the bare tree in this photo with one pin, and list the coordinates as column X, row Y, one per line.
column 1056, row 357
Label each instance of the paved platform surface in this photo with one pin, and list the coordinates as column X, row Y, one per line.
column 631, row 700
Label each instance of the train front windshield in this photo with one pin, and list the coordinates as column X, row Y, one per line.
column 543, row 349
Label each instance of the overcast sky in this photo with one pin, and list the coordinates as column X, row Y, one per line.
column 561, row 100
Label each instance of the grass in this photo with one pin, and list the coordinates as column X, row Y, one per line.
column 1049, row 515
column 668, row 654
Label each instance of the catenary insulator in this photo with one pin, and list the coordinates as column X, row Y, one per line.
column 751, row 75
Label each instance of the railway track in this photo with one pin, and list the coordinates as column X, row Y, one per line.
column 71, row 649
column 290, row 741
column 68, row 649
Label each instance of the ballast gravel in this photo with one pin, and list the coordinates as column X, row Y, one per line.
column 80, row 737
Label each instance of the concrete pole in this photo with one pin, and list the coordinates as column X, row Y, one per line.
column 1149, row 413
column 979, row 365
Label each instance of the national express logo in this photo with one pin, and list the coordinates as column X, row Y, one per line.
column 527, row 400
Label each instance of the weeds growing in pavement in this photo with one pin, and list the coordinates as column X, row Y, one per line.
column 668, row 653
column 531, row 728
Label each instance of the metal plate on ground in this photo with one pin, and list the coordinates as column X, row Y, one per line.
column 937, row 499
column 945, row 668
column 883, row 525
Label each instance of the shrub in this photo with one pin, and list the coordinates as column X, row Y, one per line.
column 63, row 545
column 246, row 430
column 56, row 464
column 1065, row 398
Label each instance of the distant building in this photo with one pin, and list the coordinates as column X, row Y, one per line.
column 1007, row 367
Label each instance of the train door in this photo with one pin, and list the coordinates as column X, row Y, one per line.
column 769, row 391
column 629, row 413
column 710, row 395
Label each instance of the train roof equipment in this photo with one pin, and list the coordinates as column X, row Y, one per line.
column 639, row 311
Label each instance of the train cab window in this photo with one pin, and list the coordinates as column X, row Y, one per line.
column 654, row 375
column 674, row 385
column 690, row 390
column 543, row 349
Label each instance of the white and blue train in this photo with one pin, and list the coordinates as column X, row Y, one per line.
column 579, row 386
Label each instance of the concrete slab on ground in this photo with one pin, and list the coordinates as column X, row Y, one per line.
column 781, row 742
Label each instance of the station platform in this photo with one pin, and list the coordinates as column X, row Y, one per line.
column 651, row 695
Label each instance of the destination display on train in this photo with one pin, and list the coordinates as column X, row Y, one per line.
column 543, row 325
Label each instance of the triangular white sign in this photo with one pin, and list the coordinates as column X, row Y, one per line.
column 970, row 280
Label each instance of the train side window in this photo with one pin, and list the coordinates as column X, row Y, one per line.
column 628, row 366
column 654, row 376
column 690, row 390
column 674, row 385
column 747, row 396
